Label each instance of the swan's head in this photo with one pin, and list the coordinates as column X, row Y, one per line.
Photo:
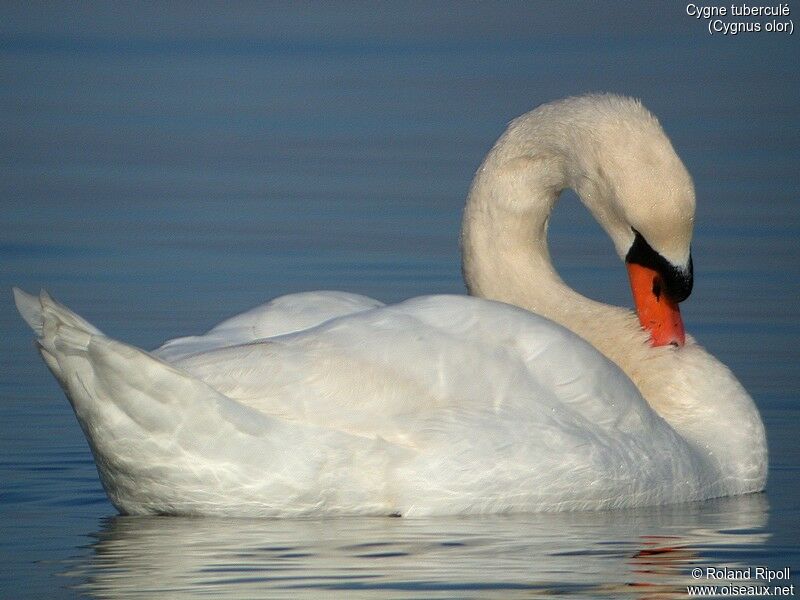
column 614, row 154
column 630, row 177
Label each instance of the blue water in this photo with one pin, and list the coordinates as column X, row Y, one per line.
column 162, row 169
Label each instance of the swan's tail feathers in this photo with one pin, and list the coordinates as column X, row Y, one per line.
column 39, row 311
column 30, row 308
column 59, row 331
column 157, row 433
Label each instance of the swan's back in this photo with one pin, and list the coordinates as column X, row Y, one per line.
column 453, row 352
column 286, row 314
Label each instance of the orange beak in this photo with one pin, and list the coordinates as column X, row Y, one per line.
column 657, row 313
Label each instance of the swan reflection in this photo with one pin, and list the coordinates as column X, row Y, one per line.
column 643, row 553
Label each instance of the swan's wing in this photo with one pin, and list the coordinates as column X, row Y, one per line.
column 165, row 442
column 374, row 372
column 498, row 407
column 286, row 314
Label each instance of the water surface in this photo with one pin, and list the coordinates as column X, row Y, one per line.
column 163, row 171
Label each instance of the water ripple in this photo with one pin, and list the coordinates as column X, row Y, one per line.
column 644, row 553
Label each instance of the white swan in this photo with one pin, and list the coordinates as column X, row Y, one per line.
column 334, row 403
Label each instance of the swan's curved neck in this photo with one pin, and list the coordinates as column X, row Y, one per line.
column 504, row 234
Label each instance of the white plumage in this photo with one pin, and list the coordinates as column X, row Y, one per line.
column 329, row 402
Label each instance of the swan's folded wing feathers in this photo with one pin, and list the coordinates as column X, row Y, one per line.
column 420, row 369
column 283, row 315
column 295, row 312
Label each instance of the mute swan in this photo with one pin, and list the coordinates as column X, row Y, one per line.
column 529, row 397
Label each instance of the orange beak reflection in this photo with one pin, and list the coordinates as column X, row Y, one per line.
column 657, row 313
